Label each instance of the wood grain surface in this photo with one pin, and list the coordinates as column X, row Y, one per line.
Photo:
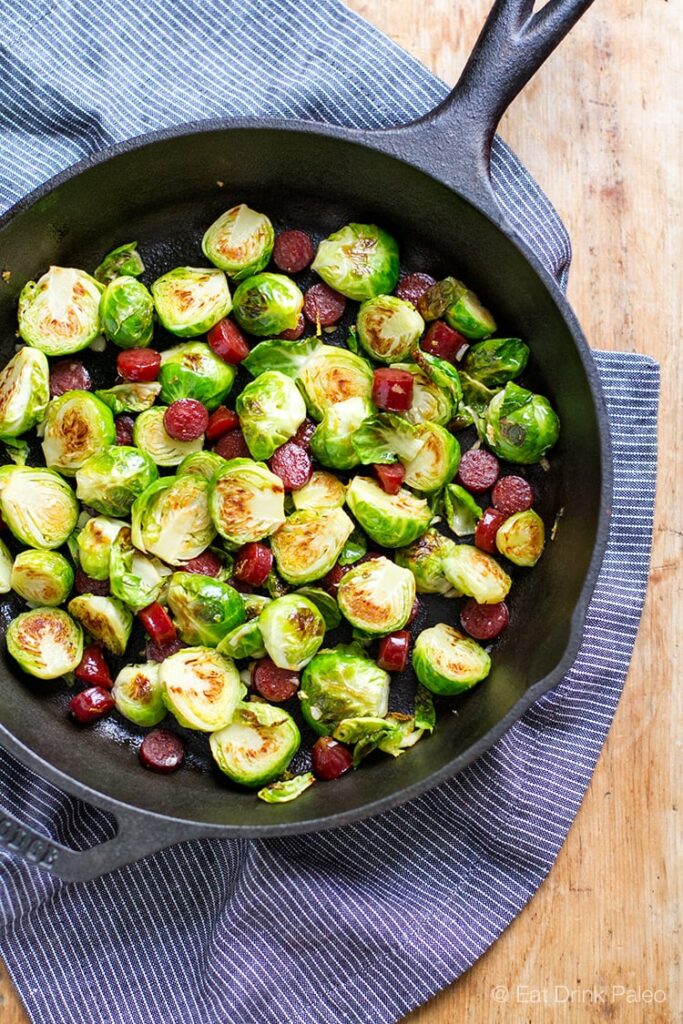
column 600, row 128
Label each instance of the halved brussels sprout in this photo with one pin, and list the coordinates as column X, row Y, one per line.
column 467, row 315
column 425, row 558
column 392, row 520
column 136, row 579
column 240, row 242
column 193, row 370
column 46, row 642
column 191, row 300
column 202, row 688
column 130, row 397
column 436, row 462
column 332, row 442
column 106, row 619
column 389, row 328
column 521, row 538
column 310, row 542
column 520, row 426
column 448, row 662
column 292, row 629
column 42, row 577
column 205, row 464
column 360, row 261
column 356, row 546
column 340, row 683
column 462, row 511
column 323, row 490
column 6, row 561
column 151, row 437
column 385, row 437
column 333, row 375
column 431, row 403
column 204, row 609
column 496, row 361
column 377, row 596
column 171, row 519
column 38, row 506
column 59, row 314
column 325, row 603
column 139, row 694
column 77, row 425
column 24, row 392
column 404, row 735
column 271, row 410
column 127, row 313
column 267, row 304
column 257, row 746
column 476, row 574
column 124, row 260
column 112, row 480
column 247, row 501
column 244, row 641
column 278, row 354
column 284, row 790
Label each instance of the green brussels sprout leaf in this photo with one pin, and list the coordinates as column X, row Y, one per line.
column 462, row 511
column 130, row 397
column 384, row 438
column 496, row 361
column 284, row 790
column 125, row 260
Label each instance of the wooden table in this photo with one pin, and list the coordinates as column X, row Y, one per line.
column 600, row 128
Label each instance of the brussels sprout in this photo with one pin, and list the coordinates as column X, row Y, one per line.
column 325, row 603
column 171, row 519
column 447, row 662
column 462, row 511
column 425, row 559
column 520, row 426
column 333, row 375
column 267, row 304
column 191, row 300
column 384, row 437
column 130, row 397
column 127, row 313
column 323, row 490
column 521, row 538
column 436, row 462
column 257, row 745
column 46, row 642
column 405, row 734
column 112, row 480
column 309, row 543
column 38, row 506
column 360, row 261
column 59, row 314
column 389, row 328
column 202, row 688
column 377, row 596
column 204, row 609
column 425, row 712
column 42, row 578
column 288, row 357
column 392, row 520
column 476, row 574
column 240, row 242
column 467, row 315
column 125, row 260
column 205, row 464
column 24, row 392
column 340, row 683
column 431, row 404
column 271, row 410
column 135, row 579
column 149, row 434
column 365, row 733
column 292, row 629
column 77, row 425
column 476, row 398
column 244, row 641
column 106, row 619
column 192, row 370
column 496, row 361
column 139, row 694
column 5, row 568
column 356, row 546
column 442, row 373
column 332, row 442
column 284, row 790
column 247, row 501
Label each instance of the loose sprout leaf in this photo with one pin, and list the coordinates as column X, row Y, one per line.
column 287, row 357
column 467, row 315
column 17, row 451
column 332, row 443
column 325, row 603
column 244, row 641
column 496, row 361
column 365, row 734
column 356, row 546
column 462, row 511
column 124, row 260
column 285, row 790
column 425, row 712
column 130, row 397
column 352, row 340
column 136, row 579
column 384, row 438
column 405, row 734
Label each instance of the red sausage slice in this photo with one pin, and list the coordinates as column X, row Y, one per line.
column 233, row 446
column 206, row 564
column 158, row 623
column 85, row 584
column 91, row 704
column 93, row 668
column 159, row 652
column 391, row 477
column 478, row 470
column 272, row 683
column 330, row 759
column 392, row 652
column 484, row 621
column 322, row 305
column 412, row 286
column 294, row 333
column 512, row 494
column 228, row 342
column 304, row 434
column 487, row 528
column 293, row 465
column 442, row 341
column 253, row 562
column 392, row 390
column 162, row 751
column 220, row 422
column 68, row 375
column 124, row 429
column 293, row 251
column 138, row 364
column 186, row 419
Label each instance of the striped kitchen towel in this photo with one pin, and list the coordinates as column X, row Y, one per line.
column 361, row 924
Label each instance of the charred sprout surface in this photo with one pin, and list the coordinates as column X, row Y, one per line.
column 59, row 313
column 189, row 301
column 240, row 242
column 359, row 261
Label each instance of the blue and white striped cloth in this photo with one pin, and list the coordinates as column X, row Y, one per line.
column 362, row 924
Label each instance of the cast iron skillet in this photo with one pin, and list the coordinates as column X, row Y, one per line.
column 428, row 183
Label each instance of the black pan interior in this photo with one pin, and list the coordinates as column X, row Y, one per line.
column 164, row 195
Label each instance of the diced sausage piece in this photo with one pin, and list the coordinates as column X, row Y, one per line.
column 304, row 434
column 272, row 683
column 68, row 375
column 232, row 445
column 293, row 465
column 253, row 562
column 392, row 653
column 392, row 390
column 391, row 477
column 206, row 564
column 293, row 251
column 220, row 422
column 93, row 668
column 228, row 342
column 442, row 341
column 330, row 759
column 162, row 751
column 478, row 470
column 412, row 286
column 484, row 621
column 138, row 364
column 124, row 429
column 85, row 584
column 159, row 652
column 487, row 528
column 294, row 333
column 322, row 305
column 512, row 494
column 331, row 582
column 91, row 704
column 158, row 624
column 186, row 419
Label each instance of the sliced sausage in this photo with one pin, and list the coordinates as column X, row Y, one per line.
column 91, row 704
column 391, row 477
column 272, row 683
column 392, row 390
column 412, row 286
column 68, row 375
column 512, row 494
column 220, row 422
column 162, row 751
column 293, row 251
column 293, row 465
column 304, row 434
column 294, row 333
column 228, row 342
column 253, row 563
column 484, row 621
column 124, row 429
column 232, row 445
column 487, row 528
column 85, row 584
column 206, row 564
column 186, row 419
column 138, row 364
column 442, row 341
column 322, row 305
column 478, row 470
